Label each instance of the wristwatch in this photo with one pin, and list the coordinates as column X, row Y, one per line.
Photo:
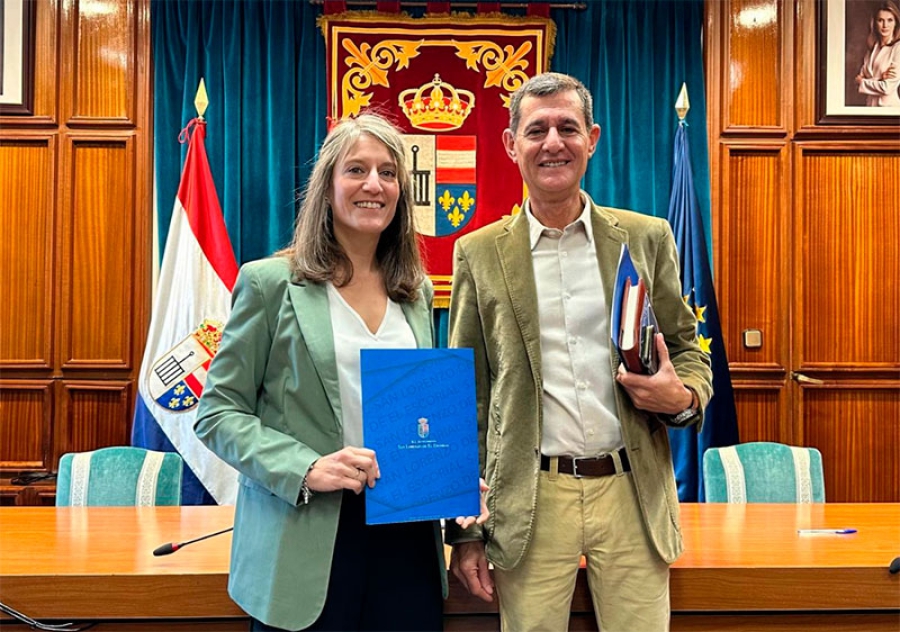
column 688, row 413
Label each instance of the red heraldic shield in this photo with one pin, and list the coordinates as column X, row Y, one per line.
column 446, row 81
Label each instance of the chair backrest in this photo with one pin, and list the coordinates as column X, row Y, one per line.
column 763, row 472
column 119, row 476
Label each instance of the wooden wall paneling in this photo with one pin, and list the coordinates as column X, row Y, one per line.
column 98, row 257
column 756, row 82
column 46, row 80
column 92, row 414
column 824, row 273
column 142, row 210
column 27, row 223
column 854, row 424
column 751, row 280
column 762, row 410
column 100, row 69
column 846, row 288
column 714, row 72
column 75, row 278
column 26, row 414
column 805, row 64
column 712, row 55
column 748, row 60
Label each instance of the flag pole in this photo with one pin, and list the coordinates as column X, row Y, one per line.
column 720, row 417
column 201, row 100
column 682, row 104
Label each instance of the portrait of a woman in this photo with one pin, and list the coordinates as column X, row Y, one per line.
column 879, row 76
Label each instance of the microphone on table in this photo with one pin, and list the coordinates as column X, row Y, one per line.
column 894, row 568
column 171, row 547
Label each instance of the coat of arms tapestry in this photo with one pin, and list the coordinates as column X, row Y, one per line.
column 446, row 82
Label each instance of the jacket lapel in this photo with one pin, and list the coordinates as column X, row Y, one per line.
column 310, row 303
column 608, row 240
column 514, row 252
column 419, row 322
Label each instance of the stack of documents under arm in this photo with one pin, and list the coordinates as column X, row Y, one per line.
column 633, row 325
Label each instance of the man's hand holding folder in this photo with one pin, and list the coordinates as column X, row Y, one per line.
column 646, row 372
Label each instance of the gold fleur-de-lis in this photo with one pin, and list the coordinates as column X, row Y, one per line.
column 189, row 401
column 466, row 202
column 446, row 200
column 174, row 402
column 179, row 389
column 456, row 217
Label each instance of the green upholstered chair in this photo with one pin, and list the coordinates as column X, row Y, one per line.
column 119, row 476
column 763, row 472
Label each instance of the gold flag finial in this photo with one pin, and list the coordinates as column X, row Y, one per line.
column 682, row 104
column 201, row 100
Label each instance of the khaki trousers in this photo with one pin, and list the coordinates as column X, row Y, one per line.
column 599, row 518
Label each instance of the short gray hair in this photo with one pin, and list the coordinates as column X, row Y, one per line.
column 545, row 85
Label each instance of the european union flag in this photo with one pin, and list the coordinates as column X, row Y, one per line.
column 720, row 422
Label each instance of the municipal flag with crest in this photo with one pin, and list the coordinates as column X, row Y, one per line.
column 193, row 302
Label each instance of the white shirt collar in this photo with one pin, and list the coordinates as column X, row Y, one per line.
column 536, row 229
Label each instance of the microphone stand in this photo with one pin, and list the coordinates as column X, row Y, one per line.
column 171, row 547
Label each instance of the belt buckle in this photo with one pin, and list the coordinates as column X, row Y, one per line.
column 575, row 460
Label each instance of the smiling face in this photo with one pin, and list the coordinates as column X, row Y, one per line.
column 885, row 25
column 551, row 146
column 365, row 190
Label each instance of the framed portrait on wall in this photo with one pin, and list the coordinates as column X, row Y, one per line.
column 859, row 62
column 17, row 33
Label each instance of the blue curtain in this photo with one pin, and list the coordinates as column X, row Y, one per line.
column 633, row 56
column 263, row 64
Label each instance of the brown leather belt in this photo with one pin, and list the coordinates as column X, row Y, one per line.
column 587, row 466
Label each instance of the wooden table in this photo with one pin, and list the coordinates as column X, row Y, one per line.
column 745, row 568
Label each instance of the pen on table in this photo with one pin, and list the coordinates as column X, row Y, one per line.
column 826, row 531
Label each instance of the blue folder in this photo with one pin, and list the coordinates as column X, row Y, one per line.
column 419, row 415
column 624, row 272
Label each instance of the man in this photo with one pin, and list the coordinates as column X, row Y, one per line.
column 574, row 448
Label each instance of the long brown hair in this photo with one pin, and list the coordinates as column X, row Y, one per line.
column 315, row 253
column 889, row 6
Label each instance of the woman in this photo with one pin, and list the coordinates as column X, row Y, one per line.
column 283, row 406
column 879, row 77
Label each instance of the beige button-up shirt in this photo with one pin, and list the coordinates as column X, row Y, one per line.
column 579, row 415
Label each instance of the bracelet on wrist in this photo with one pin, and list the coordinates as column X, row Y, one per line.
column 305, row 492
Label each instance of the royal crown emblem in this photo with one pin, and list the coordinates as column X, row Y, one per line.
column 437, row 106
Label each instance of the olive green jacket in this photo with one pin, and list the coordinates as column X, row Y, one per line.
column 271, row 407
column 494, row 311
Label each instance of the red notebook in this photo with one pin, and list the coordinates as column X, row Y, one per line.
column 638, row 327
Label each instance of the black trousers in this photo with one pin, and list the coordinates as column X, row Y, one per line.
column 383, row 577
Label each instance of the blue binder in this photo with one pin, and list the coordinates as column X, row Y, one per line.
column 419, row 416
